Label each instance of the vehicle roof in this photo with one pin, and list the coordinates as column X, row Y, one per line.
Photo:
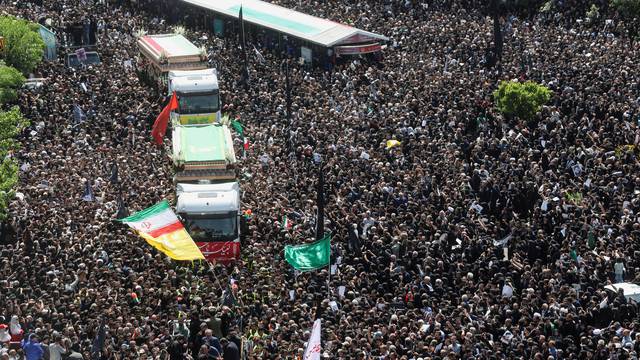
column 200, row 143
column 203, row 72
column 196, row 81
column 175, row 47
column 628, row 288
column 208, row 198
column 310, row 28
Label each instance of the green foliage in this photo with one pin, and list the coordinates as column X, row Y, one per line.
column 627, row 8
column 523, row 100
column 8, row 181
column 10, row 80
column 593, row 13
column 547, row 6
column 24, row 47
column 11, row 124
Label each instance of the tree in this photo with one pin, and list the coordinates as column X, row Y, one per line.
column 11, row 124
column 627, row 8
column 523, row 100
column 24, row 48
column 10, row 80
column 593, row 13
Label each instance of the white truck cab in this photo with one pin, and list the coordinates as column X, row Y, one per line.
column 198, row 96
column 210, row 213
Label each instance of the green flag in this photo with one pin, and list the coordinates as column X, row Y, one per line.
column 591, row 242
column 237, row 126
column 575, row 197
column 309, row 256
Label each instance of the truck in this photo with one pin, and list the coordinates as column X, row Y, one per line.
column 163, row 53
column 207, row 191
column 208, row 194
column 198, row 96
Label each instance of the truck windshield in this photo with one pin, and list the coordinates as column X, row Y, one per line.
column 92, row 59
column 199, row 103
column 205, row 228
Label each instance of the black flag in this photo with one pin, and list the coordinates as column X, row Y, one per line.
column 288, row 89
column 288, row 98
column 123, row 212
column 245, row 69
column 320, row 204
column 497, row 28
column 98, row 342
column 114, row 174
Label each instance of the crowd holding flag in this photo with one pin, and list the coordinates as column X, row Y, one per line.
column 160, row 227
column 160, row 125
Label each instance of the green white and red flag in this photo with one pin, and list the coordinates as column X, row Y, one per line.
column 162, row 229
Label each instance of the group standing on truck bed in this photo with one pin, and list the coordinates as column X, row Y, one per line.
column 421, row 274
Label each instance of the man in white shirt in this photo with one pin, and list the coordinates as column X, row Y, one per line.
column 56, row 350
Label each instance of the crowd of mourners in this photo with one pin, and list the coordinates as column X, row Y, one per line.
column 479, row 236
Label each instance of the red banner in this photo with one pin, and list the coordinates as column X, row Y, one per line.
column 220, row 251
column 357, row 49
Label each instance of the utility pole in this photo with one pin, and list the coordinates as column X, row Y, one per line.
column 320, row 204
column 497, row 29
column 287, row 74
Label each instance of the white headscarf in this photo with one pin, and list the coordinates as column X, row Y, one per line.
column 14, row 326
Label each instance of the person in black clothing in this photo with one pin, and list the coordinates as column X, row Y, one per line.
column 230, row 350
column 178, row 348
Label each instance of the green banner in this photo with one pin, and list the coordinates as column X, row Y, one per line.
column 309, row 256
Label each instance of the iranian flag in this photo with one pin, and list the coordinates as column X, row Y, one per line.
column 160, row 227
column 286, row 223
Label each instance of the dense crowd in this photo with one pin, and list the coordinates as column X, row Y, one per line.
column 479, row 236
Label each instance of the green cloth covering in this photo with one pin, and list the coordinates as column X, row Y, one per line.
column 202, row 143
column 309, row 256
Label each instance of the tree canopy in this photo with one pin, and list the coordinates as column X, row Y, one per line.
column 627, row 8
column 523, row 100
column 24, row 47
column 11, row 124
column 10, row 81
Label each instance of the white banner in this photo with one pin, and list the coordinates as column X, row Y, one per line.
column 312, row 352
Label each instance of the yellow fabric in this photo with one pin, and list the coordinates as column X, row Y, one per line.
column 392, row 143
column 177, row 245
column 198, row 119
